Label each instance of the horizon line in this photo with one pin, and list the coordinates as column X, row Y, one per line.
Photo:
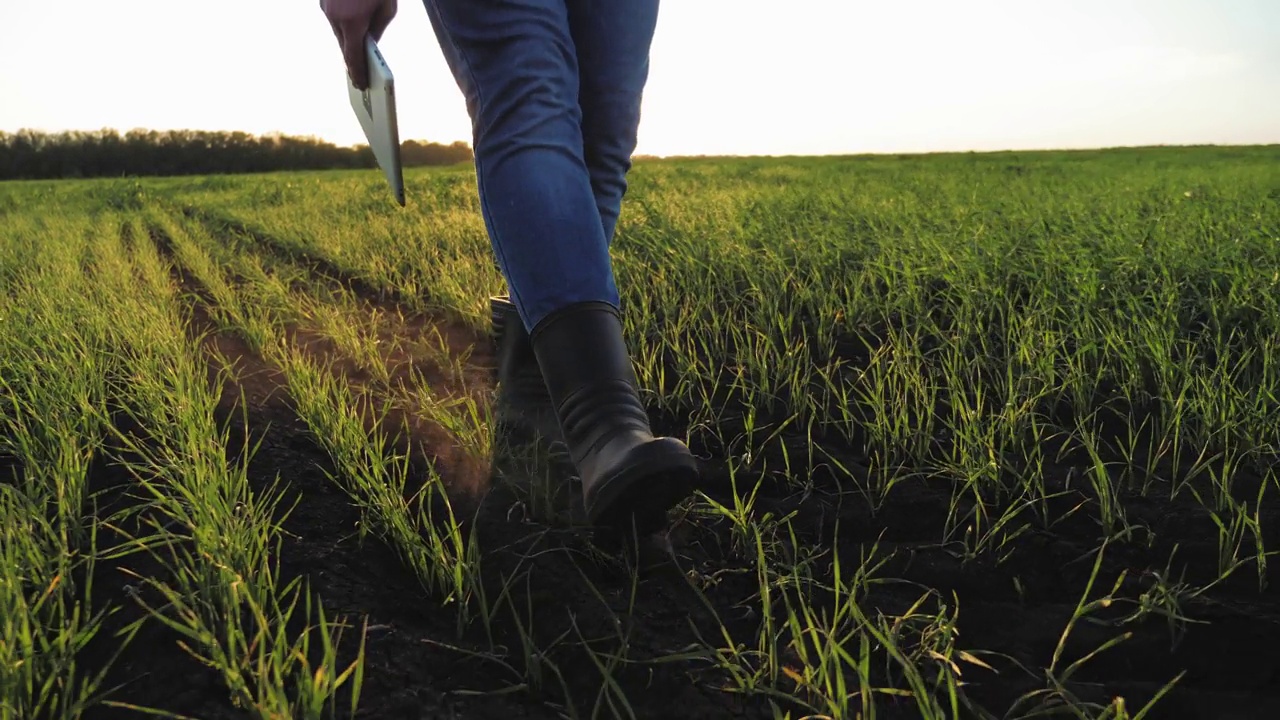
column 685, row 156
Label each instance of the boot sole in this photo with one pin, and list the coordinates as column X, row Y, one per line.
column 655, row 478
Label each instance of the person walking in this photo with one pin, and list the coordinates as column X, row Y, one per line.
column 553, row 89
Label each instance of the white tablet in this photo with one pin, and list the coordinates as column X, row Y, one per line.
column 376, row 109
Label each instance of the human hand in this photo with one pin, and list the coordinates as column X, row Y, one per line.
column 351, row 20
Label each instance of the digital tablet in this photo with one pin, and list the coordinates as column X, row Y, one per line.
column 376, row 109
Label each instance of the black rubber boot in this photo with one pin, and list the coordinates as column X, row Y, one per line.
column 629, row 478
column 523, row 404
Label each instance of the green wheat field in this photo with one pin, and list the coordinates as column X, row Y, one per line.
column 983, row 435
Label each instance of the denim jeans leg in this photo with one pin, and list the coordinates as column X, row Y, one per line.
column 517, row 67
column 613, row 41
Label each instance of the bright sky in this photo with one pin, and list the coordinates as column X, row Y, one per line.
column 728, row 76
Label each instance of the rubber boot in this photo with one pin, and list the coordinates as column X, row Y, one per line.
column 523, row 404
column 629, row 477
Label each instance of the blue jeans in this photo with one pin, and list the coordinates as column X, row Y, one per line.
column 553, row 88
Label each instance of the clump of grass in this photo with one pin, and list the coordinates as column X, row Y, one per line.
column 53, row 369
column 423, row 527
column 216, row 537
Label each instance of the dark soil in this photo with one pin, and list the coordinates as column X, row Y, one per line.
column 1231, row 668
column 576, row 601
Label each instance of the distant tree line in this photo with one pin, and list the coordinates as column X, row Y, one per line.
column 28, row 154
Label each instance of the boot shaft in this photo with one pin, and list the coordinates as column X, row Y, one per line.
column 589, row 374
column 516, row 362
